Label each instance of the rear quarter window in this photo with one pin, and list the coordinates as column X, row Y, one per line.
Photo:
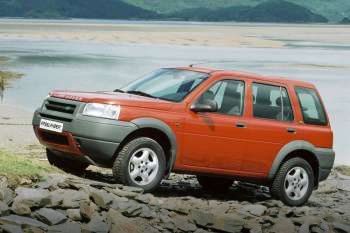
column 311, row 106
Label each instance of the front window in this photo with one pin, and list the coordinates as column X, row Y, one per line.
column 167, row 84
column 229, row 96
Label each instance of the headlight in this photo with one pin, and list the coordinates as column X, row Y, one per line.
column 102, row 110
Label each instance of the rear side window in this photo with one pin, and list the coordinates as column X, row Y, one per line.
column 271, row 102
column 311, row 106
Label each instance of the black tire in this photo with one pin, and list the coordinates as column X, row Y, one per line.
column 65, row 164
column 278, row 186
column 121, row 166
column 214, row 184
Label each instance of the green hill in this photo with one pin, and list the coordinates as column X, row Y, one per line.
column 289, row 11
column 277, row 11
column 107, row 9
column 333, row 10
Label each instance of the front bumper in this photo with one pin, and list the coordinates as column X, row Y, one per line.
column 83, row 136
column 325, row 159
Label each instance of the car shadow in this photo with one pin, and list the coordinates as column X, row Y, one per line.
column 187, row 186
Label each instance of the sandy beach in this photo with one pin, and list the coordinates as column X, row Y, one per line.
column 185, row 33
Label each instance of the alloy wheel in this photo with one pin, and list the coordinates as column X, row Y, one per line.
column 296, row 183
column 143, row 166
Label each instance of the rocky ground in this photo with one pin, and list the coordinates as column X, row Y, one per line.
column 66, row 203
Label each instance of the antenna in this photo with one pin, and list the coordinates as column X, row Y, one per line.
column 209, row 62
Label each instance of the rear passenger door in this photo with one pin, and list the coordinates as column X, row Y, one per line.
column 270, row 126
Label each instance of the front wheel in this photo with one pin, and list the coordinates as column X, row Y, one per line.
column 294, row 182
column 140, row 163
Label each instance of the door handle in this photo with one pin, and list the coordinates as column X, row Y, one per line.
column 241, row 125
column 291, row 130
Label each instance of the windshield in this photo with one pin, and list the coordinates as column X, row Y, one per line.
column 167, row 84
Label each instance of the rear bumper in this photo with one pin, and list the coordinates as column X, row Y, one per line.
column 325, row 159
column 96, row 139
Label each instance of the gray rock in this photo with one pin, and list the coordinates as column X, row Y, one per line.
column 32, row 197
column 253, row 226
column 73, row 198
column 31, row 229
column 146, row 212
column 8, row 228
column 327, row 187
column 87, row 209
column 325, row 226
column 123, row 193
column 49, row 216
column 201, row 218
column 74, row 214
column 302, row 211
column 52, row 182
column 118, row 223
column 305, row 228
column 201, row 231
column 283, row 225
column 130, row 208
column 22, row 221
column 131, row 189
column 20, row 208
column 174, row 204
column 96, row 225
column 341, row 227
column 68, row 227
column 182, row 223
column 273, row 212
column 224, row 222
column 101, row 198
column 6, row 195
column 256, row 210
column 343, row 185
column 228, row 223
column 56, row 197
column 4, row 209
column 145, row 198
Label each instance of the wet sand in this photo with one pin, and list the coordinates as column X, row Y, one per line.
column 182, row 33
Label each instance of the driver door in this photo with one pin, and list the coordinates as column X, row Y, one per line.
column 215, row 140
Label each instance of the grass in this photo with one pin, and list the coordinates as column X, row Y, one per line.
column 345, row 170
column 16, row 168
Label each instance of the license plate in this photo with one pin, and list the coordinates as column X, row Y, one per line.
column 51, row 125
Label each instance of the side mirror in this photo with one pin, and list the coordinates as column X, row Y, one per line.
column 207, row 106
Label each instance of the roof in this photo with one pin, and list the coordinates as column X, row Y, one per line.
column 276, row 79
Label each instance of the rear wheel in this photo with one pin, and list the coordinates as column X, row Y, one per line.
column 294, row 182
column 141, row 163
column 213, row 184
column 65, row 164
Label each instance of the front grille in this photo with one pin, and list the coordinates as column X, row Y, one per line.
column 54, row 138
column 60, row 107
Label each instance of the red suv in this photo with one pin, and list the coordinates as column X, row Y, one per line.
column 220, row 125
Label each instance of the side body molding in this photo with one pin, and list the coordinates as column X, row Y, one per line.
column 162, row 126
column 287, row 149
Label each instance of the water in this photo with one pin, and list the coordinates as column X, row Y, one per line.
column 88, row 66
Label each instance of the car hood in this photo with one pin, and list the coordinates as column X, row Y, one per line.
column 116, row 98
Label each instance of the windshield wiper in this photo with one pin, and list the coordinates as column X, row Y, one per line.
column 119, row 90
column 141, row 93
